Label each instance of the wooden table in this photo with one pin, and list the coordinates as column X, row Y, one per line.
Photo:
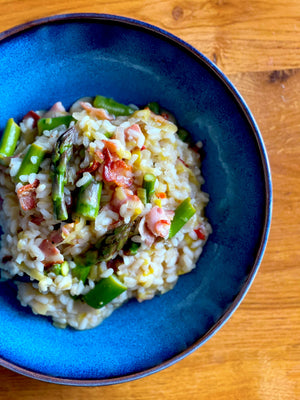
column 256, row 355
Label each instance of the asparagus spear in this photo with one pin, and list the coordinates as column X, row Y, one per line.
column 88, row 202
column 31, row 161
column 114, row 241
column 148, row 184
column 104, row 292
column 112, row 106
column 183, row 213
column 60, row 158
column 51, row 123
column 9, row 140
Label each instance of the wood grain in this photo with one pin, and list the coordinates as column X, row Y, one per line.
column 240, row 36
column 256, row 355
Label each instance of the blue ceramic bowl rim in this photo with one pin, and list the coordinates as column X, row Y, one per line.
column 94, row 17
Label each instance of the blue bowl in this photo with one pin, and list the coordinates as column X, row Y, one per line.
column 69, row 56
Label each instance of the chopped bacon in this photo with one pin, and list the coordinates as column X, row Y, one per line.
column 111, row 146
column 158, row 221
column 37, row 219
column 134, row 133
column 27, row 195
column 55, row 237
column 116, row 170
column 52, row 254
column 99, row 113
column 34, row 116
column 122, row 196
column 91, row 168
column 56, row 110
column 146, row 235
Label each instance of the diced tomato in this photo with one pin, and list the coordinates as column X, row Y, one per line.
column 116, row 170
column 27, row 195
column 200, row 234
column 143, row 148
column 161, row 195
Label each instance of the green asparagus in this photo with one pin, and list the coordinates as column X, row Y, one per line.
column 114, row 240
column 154, row 107
column 48, row 124
column 9, row 140
column 148, row 184
column 183, row 213
column 112, row 106
column 31, row 161
column 88, row 201
column 104, row 292
column 62, row 153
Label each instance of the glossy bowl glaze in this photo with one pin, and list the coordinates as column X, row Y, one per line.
column 69, row 56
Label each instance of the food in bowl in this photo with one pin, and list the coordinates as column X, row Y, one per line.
column 101, row 204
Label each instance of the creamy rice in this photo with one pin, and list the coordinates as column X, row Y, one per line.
column 130, row 147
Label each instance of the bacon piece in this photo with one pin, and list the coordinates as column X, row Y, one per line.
column 37, row 219
column 27, row 195
column 52, row 254
column 116, row 170
column 91, row 168
column 57, row 110
column 158, row 221
column 134, row 133
column 122, row 196
column 55, row 237
column 146, row 235
column 99, row 113
column 34, row 116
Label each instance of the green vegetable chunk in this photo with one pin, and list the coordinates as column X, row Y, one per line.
column 81, row 272
column 104, row 292
column 183, row 213
column 114, row 240
column 9, row 140
column 148, row 184
column 154, row 107
column 88, row 202
column 184, row 135
column 62, row 153
column 32, row 161
column 142, row 195
column 112, row 106
column 47, row 124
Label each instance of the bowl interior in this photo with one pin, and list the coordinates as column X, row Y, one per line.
column 65, row 60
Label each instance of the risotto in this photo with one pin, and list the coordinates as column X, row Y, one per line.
column 100, row 204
